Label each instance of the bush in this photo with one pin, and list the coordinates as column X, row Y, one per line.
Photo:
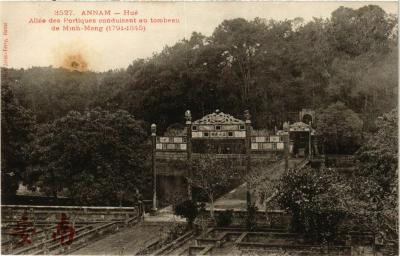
column 224, row 219
column 188, row 210
column 251, row 217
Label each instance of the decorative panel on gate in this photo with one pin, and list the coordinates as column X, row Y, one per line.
column 222, row 132
column 218, row 125
column 274, row 139
column 171, row 143
column 267, row 143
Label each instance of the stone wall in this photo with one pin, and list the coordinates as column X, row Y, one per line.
column 271, row 219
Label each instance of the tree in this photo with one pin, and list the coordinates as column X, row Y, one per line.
column 263, row 186
column 317, row 200
column 355, row 32
column 97, row 157
column 341, row 128
column 377, row 178
column 379, row 155
column 367, row 84
column 210, row 174
column 51, row 93
column 240, row 41
column 17, row 132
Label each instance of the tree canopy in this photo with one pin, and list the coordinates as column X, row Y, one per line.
column 340, row 127
column 94, row 157
column 210, row 174
column 17, row 131
column 270, row 67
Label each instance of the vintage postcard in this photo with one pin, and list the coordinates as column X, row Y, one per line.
column 199, row 128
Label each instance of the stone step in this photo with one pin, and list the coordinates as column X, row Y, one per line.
column 159, row 219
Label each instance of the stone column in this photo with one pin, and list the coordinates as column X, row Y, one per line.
column 309, row 144
column 286, row 144
column 188, row 117
column 153, row 164
column 248, row 153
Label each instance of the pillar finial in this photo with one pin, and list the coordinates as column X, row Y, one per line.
column 153, row 129
column 286, row 126
column 247, row 116
column 188, row 116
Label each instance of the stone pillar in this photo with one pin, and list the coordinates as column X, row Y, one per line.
column 309, row 144
column 286, row 144
column 153, row 164
column 248, row 153
column 188, row 117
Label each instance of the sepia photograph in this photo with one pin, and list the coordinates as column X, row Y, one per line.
column 244, row 128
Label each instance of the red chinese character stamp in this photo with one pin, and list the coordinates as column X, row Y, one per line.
column 24, row 230
column 65, row 231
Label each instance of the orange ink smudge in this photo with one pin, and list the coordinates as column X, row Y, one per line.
column 75, row 62
column 75, row 56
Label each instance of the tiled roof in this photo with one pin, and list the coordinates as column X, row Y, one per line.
column 299, row 126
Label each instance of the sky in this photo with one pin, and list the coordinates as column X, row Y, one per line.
column 35, row 44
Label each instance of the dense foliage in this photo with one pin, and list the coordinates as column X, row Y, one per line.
column 270, row 67
column 316, row 201
column 251, row 217
column 379, row 155
column 224, row 218
column 94, row 157
column 323, row 199
column 340, row 127
column 17, row 130
column 377, row 179
column 187, row 209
